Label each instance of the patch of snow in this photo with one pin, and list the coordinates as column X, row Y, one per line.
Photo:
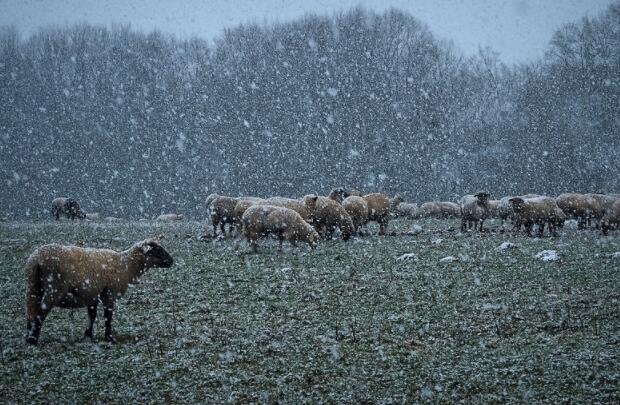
column 571, row 224
column 448, row 259
column 407, row 256
column 436, row 241
column 492, row 307
column 414, row 230
column 615, row 255
column 505, row 246
column 547, row 255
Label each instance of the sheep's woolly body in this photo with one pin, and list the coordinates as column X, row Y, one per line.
column 357, row 208
column 474, row 210
column 439, row 209
column 262, row 220
column 73, row 277
column 406, row 210
column 378, row 210
column 222, row 211
column 330, row 215
column 304, row 207
column 611, row 219
column 582, row 207
column 539, row 210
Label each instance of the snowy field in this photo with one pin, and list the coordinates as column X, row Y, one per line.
column 424, row 315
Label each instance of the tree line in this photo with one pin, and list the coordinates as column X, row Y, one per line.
column 135, row 124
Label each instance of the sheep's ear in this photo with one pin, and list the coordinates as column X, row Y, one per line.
column 314, row 197
column 146, row 247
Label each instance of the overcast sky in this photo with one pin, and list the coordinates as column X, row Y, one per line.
column 518, row 29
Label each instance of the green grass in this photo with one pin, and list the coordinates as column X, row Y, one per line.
column 347, row 322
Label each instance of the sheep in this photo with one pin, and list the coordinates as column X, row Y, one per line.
column 378, row 210
column 493, row 206
column 337, row 194
column 439, row 209
column 357, row 208
column 604, row 202
column 112, row 219
column 67, row 206
column 170, row 217
column 537, row 210
column 504, row 208
column 304, row 207
column 406, row 210
column 611, row 219
column 262, row 220
column 352, row 192
column 583, row 208
column 75, row 277
column 92, row 216
column 222, row 212
column 474, row 209
column 330, row 215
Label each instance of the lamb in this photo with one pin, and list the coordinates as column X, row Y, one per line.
column 67, row 206
column 170, row 217
column 304, row 207
column 474, row 210
column 538, row 210
column 262, row 220
column 75, row 277
column 378, row 210
column 439, row 209
column 330, row 215
column 357, row 208
column 611, row 219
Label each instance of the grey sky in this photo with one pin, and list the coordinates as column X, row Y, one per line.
column 518, row 29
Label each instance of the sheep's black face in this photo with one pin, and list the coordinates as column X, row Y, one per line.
column 156, row 255
column 483, row 198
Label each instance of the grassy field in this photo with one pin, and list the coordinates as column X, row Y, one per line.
column 349, row 322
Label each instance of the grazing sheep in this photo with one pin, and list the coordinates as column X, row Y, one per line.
column 75, row 277
column 304, row 207
column 537, row 210
column 493, row 206
column 406, row 210
column 92, row 216
column 67, row 206
column 240, row 208
column 286, row 224
column 378, row 210
column 330, row 215
column 439, row 209
column 170, row 217
column 210, row 199
column 222, row 212
column 611, row 219
column 357, row 208
column 584, row 208
column 474, row 210
column 395, row 202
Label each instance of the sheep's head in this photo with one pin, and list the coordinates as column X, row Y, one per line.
column 310, row 201
column 483, row 198
column 155, row 254
column 396, row 200
column 337, row 194
column 517, row 203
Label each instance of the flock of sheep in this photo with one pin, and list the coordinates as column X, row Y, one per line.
column 75, row 277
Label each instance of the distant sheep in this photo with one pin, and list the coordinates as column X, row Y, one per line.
column 262, row 220
column 75, row 277
column 330, row 215
column 538, row 210
column 406, row 210
column 170, row 217
column 378, row 210
column 611, row 219
column 337, row 194
column 584, row 208
column 474, row 210
column 68, row 207
column 439, row 209
column 357, row 208
column 92, row 216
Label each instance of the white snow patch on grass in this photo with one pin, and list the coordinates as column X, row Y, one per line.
column 505, row 246
column 548, row 255
column 407, row 256
column 448, row 259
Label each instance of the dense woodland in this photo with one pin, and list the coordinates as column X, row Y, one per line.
column 134, row 124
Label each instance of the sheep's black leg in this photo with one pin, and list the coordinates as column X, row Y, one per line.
column 463, row 225
column 214, row 229
column 92, row 316
column 108, row 310
column 222, row 225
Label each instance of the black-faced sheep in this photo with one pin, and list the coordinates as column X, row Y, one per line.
column 474, row 210
column 330, row 215
column 75, row 277
column 262, row 220
column 337, row 194
column 67, row 206
column 537, row 210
